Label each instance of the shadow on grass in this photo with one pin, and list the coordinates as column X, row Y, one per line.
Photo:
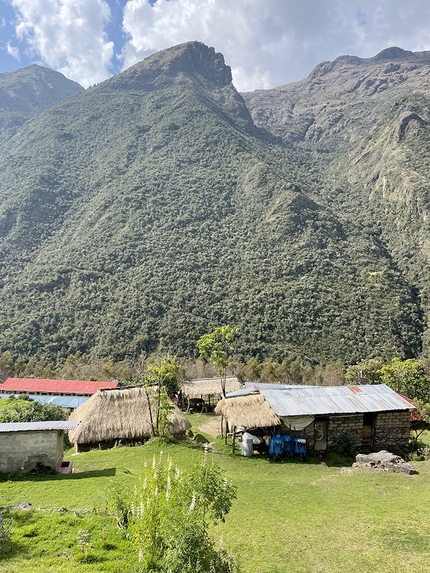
column 15, row 549
column 90, row 474
column 329, row 460
column 108, row 472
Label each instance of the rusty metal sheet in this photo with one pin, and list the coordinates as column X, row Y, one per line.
column 311, row 400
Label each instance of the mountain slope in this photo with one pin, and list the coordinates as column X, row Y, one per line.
column 342, row 99
column 367, row 124
column 141, row 213
column 27, row 92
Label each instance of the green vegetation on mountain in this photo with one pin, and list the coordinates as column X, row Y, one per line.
column 27, row 92
column 150, row 209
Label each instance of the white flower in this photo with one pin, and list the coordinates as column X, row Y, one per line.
column 192, row 504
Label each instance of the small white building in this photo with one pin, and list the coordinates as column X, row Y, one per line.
column 25, row 446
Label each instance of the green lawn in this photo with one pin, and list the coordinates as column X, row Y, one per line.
column 288, row 517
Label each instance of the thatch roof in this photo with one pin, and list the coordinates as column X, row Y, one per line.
column 208, row 387
column 250, row 411
column 119, row 414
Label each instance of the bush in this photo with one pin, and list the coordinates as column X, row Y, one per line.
column 168, row 517
column 347, row 445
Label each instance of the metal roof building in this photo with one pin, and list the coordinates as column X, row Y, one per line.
column 26, row 446
column 375, row 415
column 319, row 400
column 58, row 387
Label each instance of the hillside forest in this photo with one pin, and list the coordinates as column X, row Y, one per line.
column 143, row 212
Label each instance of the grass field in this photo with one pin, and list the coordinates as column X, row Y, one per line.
column 288, row 517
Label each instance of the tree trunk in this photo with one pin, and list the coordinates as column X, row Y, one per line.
column 150, row 412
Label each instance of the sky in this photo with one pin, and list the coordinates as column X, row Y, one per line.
column 267, row 43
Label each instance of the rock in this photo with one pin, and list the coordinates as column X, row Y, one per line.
column 21, row 506
column 384, row 461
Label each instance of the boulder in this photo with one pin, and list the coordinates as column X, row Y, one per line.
column 385, row 461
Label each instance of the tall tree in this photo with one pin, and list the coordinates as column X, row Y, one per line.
column 217, row 347
column 161, row 382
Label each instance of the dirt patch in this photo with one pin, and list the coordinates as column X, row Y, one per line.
column 212, row 428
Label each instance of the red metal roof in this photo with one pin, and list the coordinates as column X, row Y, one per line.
column 73, row 387
column 415, row 415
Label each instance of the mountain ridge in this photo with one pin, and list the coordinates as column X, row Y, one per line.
column 141, row 213
column 28, row 91
column 340, row 99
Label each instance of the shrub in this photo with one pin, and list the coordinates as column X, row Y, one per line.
column 168, row 517
column 347, row 445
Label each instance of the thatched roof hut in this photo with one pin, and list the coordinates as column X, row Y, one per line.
column 249, row 411
column 121, row 414
column 208, row 387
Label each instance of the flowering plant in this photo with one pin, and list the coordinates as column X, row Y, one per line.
column 5, row 541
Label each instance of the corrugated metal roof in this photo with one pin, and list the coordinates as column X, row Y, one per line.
column 242, row 392
column 71, row 402
column 252, row 387
column 274, row 385
column 39, row 426
column 314, row 400
column 31, row 385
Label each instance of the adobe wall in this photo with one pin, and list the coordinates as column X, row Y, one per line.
column 392, row 430
column 23, row 451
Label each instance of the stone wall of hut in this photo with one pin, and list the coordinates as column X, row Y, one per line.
column 309, row 434
column 392, row 430
column 339, row 426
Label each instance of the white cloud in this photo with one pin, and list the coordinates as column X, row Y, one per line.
column 12, row 51
column 270, row 42
column 67, row 35
column 266, row 42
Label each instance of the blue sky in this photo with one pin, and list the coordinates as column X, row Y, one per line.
column 266, row 42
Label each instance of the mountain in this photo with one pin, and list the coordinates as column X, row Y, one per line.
column 340, row 100
column 27, row 92
column 141, row 213
column 367, row 121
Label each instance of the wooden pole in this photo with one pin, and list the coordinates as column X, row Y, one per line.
column 233, row 439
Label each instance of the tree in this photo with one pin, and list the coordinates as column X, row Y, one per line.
column 407, row 377
column 168, row 516
column 161, row 382
column 19, row 410
column 420, row 426
column 7, row 366
column 165, row 372
column 217, row 347
column 369, row 370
